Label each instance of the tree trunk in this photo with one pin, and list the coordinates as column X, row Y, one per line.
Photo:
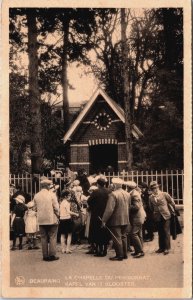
column 126, row 91
column 34, row 95
column 64, row 74
column 65, row 84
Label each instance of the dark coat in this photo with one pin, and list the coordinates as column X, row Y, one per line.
column 84, row 183
column 97, row 204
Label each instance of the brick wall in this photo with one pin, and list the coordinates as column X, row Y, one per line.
column 88, row 131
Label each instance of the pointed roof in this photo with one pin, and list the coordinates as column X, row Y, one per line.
column 114, row 106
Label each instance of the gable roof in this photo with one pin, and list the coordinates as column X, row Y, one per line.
column 114, row 106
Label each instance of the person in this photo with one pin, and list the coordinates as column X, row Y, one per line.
column 75, row 184
column 31, row 226
column 76, row 218
column 159, row 204
column 137, row 218
column 116, row 216
column 97, row 204
column 17, row 221
column 82, row 201
column 47, row 208
column 15, row 191
column 66, row 224
column 84, row 183
column 148, row 226
column 92, row 245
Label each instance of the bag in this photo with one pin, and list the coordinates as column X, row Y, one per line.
column 175, row 227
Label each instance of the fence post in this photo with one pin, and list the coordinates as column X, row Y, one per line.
column 167, row 180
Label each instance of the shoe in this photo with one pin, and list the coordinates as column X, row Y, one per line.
column 36, row 248
column 116, row 258
column 29, row 248
column 68, row 251
column 159, row 251
column 139, row 255
column 125, row 257
column 52, row 258
column 46, row 258
column 63, row 251
column 166, row 252
column 13, row 248
column 134, row 253
column 129, row 250
column 20, row 247
column 99, row 255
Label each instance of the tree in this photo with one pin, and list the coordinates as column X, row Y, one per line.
column 128, row 117
column 34, row 94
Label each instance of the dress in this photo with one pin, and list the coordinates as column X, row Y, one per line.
column 66, row 224
column 31, row 221
column 18, row 223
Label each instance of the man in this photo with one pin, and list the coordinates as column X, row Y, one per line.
column 116, row 216
column 137, row 218
column 47, row 215
column 97, row 204
column 148, row 226
column 160, row 204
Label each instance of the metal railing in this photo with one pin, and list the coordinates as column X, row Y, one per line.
column 171, row 181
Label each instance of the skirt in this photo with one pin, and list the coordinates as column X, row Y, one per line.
column 19, row 227
column 65, row 226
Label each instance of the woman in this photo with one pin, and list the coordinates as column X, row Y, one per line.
column 17, row 221
column 66, row 224
column 159, row 204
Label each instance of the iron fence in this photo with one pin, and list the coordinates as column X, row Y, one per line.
column 171, row 181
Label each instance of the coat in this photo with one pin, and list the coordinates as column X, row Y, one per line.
column 137, row 212
column 117, row 209
column 97, row 204
column 47, row 207
column 159, row 206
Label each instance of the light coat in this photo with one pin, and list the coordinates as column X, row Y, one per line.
column 159, row 205
column 47, row 207
column 137, row 213
column 117, row 209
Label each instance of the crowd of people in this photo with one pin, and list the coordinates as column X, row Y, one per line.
column 121, row 214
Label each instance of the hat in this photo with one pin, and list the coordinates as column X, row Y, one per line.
column 93, row 188
column 101, row 179
column 65, row 193
column 20, row 199
column 131, row 184
column 45, row 180
column 143, row 185
column 30, row 204
column 117, row 180
column 153, row 184
column 76, row 182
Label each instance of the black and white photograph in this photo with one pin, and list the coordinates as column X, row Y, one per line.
column 96, row 149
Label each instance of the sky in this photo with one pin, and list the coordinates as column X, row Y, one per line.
column 84, row 85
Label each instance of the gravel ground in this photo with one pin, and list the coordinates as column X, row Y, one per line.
column 81, row 270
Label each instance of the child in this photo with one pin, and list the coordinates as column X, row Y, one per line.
column 66, row 224
column 31, row 226
column 17, row 221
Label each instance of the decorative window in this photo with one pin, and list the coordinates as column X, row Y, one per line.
column 102, row 121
